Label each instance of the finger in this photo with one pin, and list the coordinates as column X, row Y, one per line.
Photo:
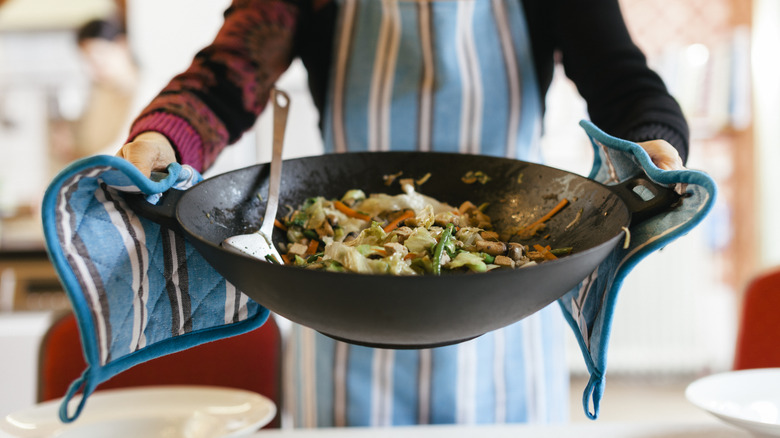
column 663, row 154
column 667, row 164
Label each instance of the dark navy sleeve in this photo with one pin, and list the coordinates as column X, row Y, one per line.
column 625, row 97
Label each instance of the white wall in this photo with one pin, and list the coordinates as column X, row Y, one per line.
column 164, row 36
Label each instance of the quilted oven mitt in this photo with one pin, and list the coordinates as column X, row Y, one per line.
column 589, row 307
column 138, row 290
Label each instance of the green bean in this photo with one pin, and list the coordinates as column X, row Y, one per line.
column 561, row 251
column 443, row 241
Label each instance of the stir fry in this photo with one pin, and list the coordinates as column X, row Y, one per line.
column 405, row 234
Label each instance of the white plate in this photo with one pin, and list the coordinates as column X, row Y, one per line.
column 749, row 399
column 155, row 411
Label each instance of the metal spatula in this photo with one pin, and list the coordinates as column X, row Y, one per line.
column 260, row 243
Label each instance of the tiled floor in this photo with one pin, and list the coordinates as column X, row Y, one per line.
column 638, row 398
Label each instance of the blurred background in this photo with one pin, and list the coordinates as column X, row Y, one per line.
column 678, row 310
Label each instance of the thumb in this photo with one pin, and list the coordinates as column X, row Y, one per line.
column 137, row 158
column 148, row 152
column 663, row 154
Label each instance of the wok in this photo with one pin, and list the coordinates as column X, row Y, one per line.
column 414, row 311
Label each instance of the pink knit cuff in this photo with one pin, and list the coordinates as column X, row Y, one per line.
column 185, row 140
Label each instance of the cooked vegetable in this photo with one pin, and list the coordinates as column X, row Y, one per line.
column 574, row 221
column 390, row 178
column 420, row 240
column 272, row 259
column 424, row 179
column 479, row 176
column 444, row 240
column 353, row 196
column 535, row 226
column 405, row 234
column 407, row 214
column 279, row 225
column 469, row 260
column 340, row 206
column 545, row 252
column 312, row 248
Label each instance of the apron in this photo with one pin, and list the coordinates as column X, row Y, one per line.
column 432, row 75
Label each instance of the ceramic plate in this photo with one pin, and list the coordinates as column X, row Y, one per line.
column 749, row 399
column 159, row 411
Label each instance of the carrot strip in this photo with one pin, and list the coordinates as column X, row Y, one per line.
column 394, row 224
column 547, row 216
column 312, row 248
column 287, row 259
column 340, row 206
column 280, row 225
column 545, row 252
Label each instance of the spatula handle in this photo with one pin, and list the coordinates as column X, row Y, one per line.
column 281, row 104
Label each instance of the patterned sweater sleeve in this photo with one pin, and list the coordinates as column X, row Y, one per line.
column 228, row 84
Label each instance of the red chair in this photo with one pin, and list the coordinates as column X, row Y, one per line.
column 251, row 361
column 758, row 337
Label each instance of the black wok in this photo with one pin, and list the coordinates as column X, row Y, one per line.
column 418, row 311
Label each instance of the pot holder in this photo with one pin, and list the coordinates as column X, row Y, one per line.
column 140, row 291
column 589, row 307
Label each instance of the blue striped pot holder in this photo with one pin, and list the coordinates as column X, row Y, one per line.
column 140, row 291
column 589, row 308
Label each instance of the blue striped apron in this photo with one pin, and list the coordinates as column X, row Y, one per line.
column 443, row 75
column 432, row 75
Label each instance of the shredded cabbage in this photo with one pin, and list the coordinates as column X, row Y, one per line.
column 373, row 235
column 352, row 259
column 364, row 237
column 471, row 260
column 420, row 240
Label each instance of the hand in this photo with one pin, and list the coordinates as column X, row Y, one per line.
column 664, row 155
column 149, row 151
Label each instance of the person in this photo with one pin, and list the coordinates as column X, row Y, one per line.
column 468, row 76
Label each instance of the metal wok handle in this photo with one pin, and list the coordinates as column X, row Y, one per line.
column 644, row 198
column 162, row 213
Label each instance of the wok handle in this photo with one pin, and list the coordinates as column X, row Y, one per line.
column 163, row 213
column 644, row 198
